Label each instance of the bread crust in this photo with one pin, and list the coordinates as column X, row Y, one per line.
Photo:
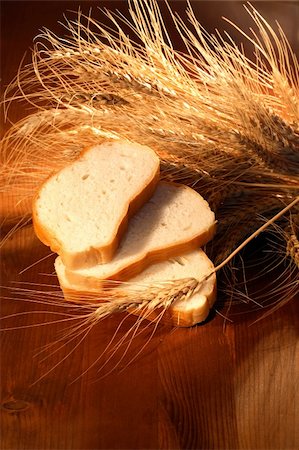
column 152, row 257
column 102, row 254
column 182, row 319
column 171, row 316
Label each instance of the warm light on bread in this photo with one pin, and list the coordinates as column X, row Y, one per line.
column 183, row 312
column 175, row 220
column 82, row 211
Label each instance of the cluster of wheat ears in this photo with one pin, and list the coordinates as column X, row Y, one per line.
column 220, row 122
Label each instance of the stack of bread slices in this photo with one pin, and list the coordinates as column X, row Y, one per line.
column 109, row 217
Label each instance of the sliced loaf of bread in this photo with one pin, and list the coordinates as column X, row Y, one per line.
column 82, row 211
column 175, row 220
column 184, row 313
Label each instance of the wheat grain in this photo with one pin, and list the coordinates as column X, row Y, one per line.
column 221, row 123
column 291, row 234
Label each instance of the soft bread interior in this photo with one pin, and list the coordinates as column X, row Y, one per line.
column 175, row 220
column 81, row 211
column 194, row 309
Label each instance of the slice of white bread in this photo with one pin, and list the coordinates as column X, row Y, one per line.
column 184, row 313
column 82, row 211
column 175, row 220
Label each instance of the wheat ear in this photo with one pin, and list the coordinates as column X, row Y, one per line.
column 216, row 118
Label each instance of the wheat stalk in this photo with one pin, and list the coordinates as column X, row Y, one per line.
column 291, row 235
column 221, row 123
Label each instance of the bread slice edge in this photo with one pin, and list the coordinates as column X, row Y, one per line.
column 177, row 315
column 102, row 254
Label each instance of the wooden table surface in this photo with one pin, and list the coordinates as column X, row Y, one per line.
column 207, row 387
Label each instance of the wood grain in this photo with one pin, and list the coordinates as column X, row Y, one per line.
column 207, row 387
